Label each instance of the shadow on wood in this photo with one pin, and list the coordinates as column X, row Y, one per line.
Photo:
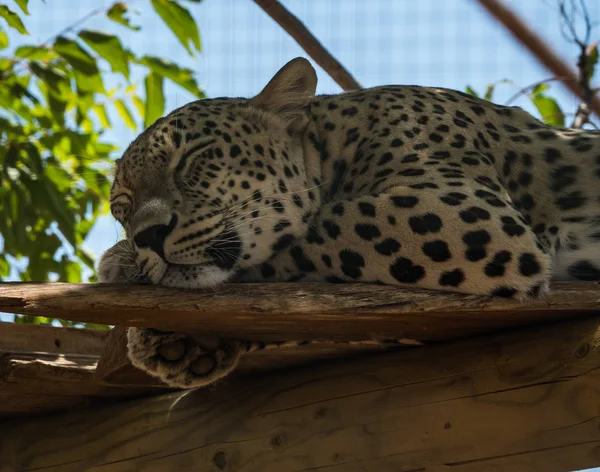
column 518, row 401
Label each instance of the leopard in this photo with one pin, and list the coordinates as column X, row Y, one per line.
column 417, row 187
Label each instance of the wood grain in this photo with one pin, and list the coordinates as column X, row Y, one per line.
column 309, row 311
column 519, row 401
column 115, row 368
column 46, row 369
column 49, row 339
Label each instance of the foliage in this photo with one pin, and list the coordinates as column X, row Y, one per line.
column 548, row 108
column 53, row 113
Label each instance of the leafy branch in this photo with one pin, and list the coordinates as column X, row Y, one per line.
column 54, row 110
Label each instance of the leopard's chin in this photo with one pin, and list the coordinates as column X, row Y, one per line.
column 200, row 276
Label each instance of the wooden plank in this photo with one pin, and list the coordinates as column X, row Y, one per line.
column 45, row 369
column 115, row 368
column 38, row 338
column 298, row 311
column 518, row 401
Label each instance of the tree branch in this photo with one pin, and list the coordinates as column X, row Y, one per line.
column 582, row 116
column 294, row 27
column 539, row 49
column 305, row 311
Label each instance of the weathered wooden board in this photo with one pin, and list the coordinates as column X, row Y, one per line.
column 298, row 311
column 516, row 401
column 46, row 369
column 39, row 338
column 115, row 368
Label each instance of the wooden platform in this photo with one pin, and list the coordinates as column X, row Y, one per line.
column 482, row 393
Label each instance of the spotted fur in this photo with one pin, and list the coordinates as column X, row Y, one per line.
column 402, row 185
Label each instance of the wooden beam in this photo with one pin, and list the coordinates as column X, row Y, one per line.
column 307, row 41
column 519, row 401
column 115, row 368
column 46, row 369
column 309, row 311
column 50, row 339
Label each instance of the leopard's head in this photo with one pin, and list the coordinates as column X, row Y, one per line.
column 215, row 187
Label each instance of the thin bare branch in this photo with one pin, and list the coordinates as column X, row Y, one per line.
column 294, row 27
column 582, row 116
column 540, row 50
column 531, row 87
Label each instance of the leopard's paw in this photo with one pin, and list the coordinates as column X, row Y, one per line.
column 180, row 360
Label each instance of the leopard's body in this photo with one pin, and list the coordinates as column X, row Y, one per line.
column 404, row 185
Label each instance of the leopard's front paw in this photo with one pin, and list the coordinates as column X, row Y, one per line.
column 180, row 360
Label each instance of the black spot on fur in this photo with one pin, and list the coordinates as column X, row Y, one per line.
column 504, row 292
column 405, row 271
column 235, row 151
column 352, row 262
column 474, row 214
column 571, row 201
column 496, row 267
column 303, row 263
column 283, row 242
column 529, row 265
column 511, row 227
column 452, row 278
column 551, row 155
column 476, row 241
column 333, row 230
column 453, row 198
column 407, row 201
column 584, row 270
column 267, row 270
column 387, row 247
column 367, row 231
column 366, row 209
column 437, row 251
column 426, row 223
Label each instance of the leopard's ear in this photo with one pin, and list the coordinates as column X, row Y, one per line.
column 288, row 93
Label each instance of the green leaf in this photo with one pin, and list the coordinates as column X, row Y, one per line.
column 155, row 98
column 540, row 88
column 30, row 319
column 3, row 40
column 549, row 110
column 470, row 91
column 109, row 48
column 125, row 114
column 35, row 53
column 72, row 272
column 179, row 75
column 23, row 5
column 592, row 59
column 117, row 13
column 139, row 104
column 181, row 23
column 100, row 110
column 4, row 267
column 58, row 83
column 87, row 75
column 489, row 92
column 13, row 20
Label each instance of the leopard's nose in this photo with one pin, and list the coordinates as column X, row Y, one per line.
column 154, row 237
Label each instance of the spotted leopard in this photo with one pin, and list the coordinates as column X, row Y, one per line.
column 403, row 185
